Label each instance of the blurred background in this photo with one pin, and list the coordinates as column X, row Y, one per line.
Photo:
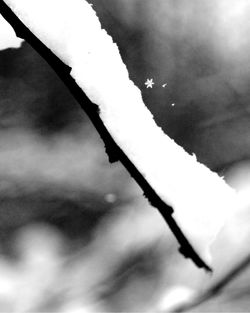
column 76, row 234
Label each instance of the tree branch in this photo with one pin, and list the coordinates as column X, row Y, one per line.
column 198, row 195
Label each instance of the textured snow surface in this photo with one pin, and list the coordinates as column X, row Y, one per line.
column 71, row 29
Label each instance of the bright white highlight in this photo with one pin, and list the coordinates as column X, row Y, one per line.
column 233, row 24
column 8, row 38
column 174, row 297
column 71, row 29
column 149, row 83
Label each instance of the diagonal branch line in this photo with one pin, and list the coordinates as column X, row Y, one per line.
column 113, row 150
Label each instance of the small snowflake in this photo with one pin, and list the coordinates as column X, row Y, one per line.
column 173, row 104
column 149, row 83
column 164, row 85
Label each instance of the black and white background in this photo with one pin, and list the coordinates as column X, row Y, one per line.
column 76, row 235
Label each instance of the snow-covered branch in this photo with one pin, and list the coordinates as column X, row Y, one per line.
column 72, row 31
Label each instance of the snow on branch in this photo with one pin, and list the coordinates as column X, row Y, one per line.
column 167, row 174
column 7, row 36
